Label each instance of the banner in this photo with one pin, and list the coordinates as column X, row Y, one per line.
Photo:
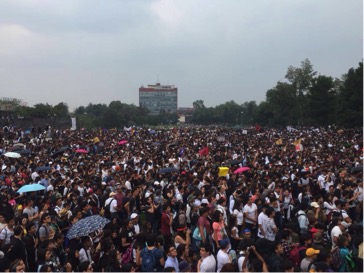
column 73, row 121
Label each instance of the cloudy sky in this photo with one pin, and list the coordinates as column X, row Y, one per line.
column 90, row 51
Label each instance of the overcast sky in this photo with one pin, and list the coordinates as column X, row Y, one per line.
column 89, row 51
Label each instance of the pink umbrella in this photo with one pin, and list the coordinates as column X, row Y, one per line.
column 121, row 142
column 241, row 169
column 81, row 151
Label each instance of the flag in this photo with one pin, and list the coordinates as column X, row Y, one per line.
column 223, row 171
column 204, row 151
column 297, row 142
column 279, row 141
column 257, row 127
column 132, row 131
column 299, row 147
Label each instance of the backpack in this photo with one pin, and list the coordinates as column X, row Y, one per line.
column 128, row 255
column 46, row 230
column 235, row 262
column 296, row 223
column 336, row 213
column 337, row 261
column 107, row 212
column 295, row 255
column 179, row 221
column 148, row 260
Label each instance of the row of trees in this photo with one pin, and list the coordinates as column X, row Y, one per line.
column 304, row 98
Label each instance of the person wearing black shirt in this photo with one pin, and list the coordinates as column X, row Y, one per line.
column 31, row 243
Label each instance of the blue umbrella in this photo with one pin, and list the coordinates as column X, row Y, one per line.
column 168, row 170
column 87, row 225
column 43, row 168
column 31, row 187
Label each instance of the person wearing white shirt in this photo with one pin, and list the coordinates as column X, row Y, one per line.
column 222, row 255
column 337, row 231
column 114, row 202
column 250, row 214
column 207, row 263
column 238, row 212
column 261, row 218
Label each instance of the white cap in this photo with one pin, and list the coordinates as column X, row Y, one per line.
column 204, row 201
column 147, row 194
column 133, row 215
column 156, row 183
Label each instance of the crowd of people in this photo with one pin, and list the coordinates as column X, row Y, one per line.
column 190, row 199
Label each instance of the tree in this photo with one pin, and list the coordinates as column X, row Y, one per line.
column 61, row 109
column 322, row 102
column 281, row 104
column 198, row 104
column 351, row 98
column 301, row 79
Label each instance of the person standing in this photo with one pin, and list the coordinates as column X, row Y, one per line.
column 172, row 260
column 250, row 214
column 31, row 243
column 207, row 263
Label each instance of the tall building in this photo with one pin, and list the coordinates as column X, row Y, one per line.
column 159, row 98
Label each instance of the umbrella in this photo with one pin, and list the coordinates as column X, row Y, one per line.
column 65, row 148
column 31, row 187
column 43, row 168
column 12, row 155
column 81, row 151
column 241, row 169
column 168, row 170
column 357, row 169
column 19, row 144
column 24, row 152
column 156, row 144
column 55, row 154
column 87, row 225
column 232, row 162
column 121, row 142
column 15, row 148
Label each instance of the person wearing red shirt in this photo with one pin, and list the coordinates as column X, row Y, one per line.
column 166, row 223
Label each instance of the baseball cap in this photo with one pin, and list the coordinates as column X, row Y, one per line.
column 315, row 205
column 224, row 243
column 133, row 215
column 311, row 251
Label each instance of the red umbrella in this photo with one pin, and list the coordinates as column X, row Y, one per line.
column 81, row 151
column 121, row 142
column 241, row 169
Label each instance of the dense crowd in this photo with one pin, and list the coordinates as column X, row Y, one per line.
column 194, row 199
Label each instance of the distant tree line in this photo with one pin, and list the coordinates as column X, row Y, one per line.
column 305, row 98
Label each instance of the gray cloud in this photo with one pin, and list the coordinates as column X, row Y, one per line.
column 98, row 51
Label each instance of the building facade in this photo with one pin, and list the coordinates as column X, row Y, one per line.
column 159, row 98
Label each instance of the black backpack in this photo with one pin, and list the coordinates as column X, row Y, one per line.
column 296, row 223
column 107, row 212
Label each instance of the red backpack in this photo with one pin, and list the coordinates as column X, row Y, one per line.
column 295, row 255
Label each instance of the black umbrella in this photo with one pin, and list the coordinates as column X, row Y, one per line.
column 357, row 169
column 65, row 148
column 232, row 162
column 24, row 152
column 168, row 170
column 55, row 154
column 43, row 168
